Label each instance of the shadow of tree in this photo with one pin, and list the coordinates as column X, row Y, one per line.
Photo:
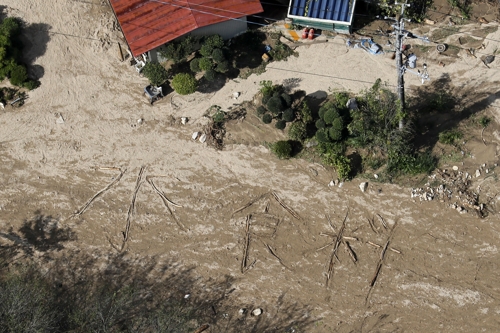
column 35, row 38
column 440, row 106
column 97, row 291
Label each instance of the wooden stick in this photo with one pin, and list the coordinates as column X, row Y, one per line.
column 373, row 244
column 250, row 203
column 482, row 138
column 383, row 221
column 335, row 249
column 160, row 193
column 247, row 243
column 131, row 209
column 324, row 247
column 330, row 222
column 202, row 328
column 87, row 204
column 288, row 209
column 350, row 251
column 275, row 255
column 394, row 250
column 370, row 222
column 350, row 238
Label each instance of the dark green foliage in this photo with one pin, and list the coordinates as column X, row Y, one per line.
column 288, row 115
column 206, row 64
column 280, row 124
column 265, row 99
column 31, row 84
column 10, row 27
column 261, row 110
column 267, row 118
column 306, row 113
column 194, row 65
column 210, row 43
column 297, row 131
column 275, row 105
column 218, row 55
column 334, row 134
column 210, row 75
column 322, row 135
column 330, row 116
column 18, row 75
column 184, row 83
column 219, row 116
column 450, row 137
column 178, row 51
column 281, row 51
column 320, row 123
column 287, row 99
column 268, row 89
column 282, row 149
column 222, row 67
column 156, row 73
column 321, row 112
column 484, row 121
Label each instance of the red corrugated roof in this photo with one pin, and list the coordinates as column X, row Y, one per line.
column 147, row 24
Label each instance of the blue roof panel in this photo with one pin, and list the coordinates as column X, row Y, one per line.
column 333, row 10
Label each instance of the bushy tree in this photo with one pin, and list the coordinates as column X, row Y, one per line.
column 18, row 75
column 280, row 124
column 194, row 65
column 330, row 115
column 177, row 51
column 306, row 113
column 267, row 118
column 282, row 149
column 261, row 110
column 222, row 67
column 275, row 105
column 288, row 115
column 320, row 123
column 210, row 43
column 184, row 83
column 322, row 135
column 336, row 131
column 218, row 55
column 156, row 73
column 287, row 99
column 206, row 64
column 297, row 131
column 210, row 75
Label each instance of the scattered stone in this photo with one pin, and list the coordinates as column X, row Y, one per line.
column 184, row 120
column 195, row 135
column 483, row 165
column 187, row 296
column 375, row 176
column 332, row 183
column 352, row 104
column 236, row 95
column 203, row 138
column 140, row 121
column 455, row 168
column 478, row 173
column 257, row 312
column 2, row 105
column 341, row 184
column 363, row 186
column 459, row 209
column 242, row 311
column 487, row 170
column 60, row 119
column 311, row 143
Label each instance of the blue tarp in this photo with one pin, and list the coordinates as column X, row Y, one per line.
column 333, row 10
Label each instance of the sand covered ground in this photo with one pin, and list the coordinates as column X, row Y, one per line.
column 444, row 278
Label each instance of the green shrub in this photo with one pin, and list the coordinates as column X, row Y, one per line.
column 18, row 75
column 222, row 67
column 31, row 84
column 206, row 64
column 184, row 83
column 341, row 99
column 275, row 105
column 210, row 43
column 484, row 121
column 261, row 110
column 288, row 115
column 321, row 112
column 334, row 134
column 280, row 124
column 297, row 131
column 282, row 149
column 320, row 123
column 267, row 118
column 322, row 135
column 449, row 137
column 179, row 50
column 306, row 113
column 210, row 75
column 155, row 73
column 218, row 55
column 287, row 99
column 342, row 165
column 194, row 65
column 330, row 116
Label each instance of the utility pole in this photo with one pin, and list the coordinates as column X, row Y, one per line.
column 399, row 59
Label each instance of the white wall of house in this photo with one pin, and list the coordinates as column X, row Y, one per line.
column 227, row 30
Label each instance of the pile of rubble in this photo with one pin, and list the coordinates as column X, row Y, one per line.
column 454, row 189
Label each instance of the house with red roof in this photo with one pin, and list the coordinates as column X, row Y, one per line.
column 149, row 24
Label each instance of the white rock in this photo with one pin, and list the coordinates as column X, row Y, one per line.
column 341, row 184
column 257, row 312
column 487, row 170
column 195, row 135
column 455, row 168
column 478, row 173
column 184, row 120
column 60, row 120
column 236, row 95
column 332, row 183
column 375, row 176
column 187, row 296
column 242, row 311
column 483, row 165
column 203, row 138
column 363, row 186
column 140, row 121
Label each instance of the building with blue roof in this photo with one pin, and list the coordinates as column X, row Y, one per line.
column 333, row 15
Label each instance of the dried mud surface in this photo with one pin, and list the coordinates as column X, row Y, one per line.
column 442, row 271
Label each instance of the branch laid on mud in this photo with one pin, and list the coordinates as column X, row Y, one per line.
column 87, row 204
column 288, row 209
column 384, row 224
column 250, row 203
column 350, row 251
column 131, row 209
column 202, row 328
column 370, row 222
column 160, row 193
column 271, row 250
column 247, row 243
column 338, row 240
